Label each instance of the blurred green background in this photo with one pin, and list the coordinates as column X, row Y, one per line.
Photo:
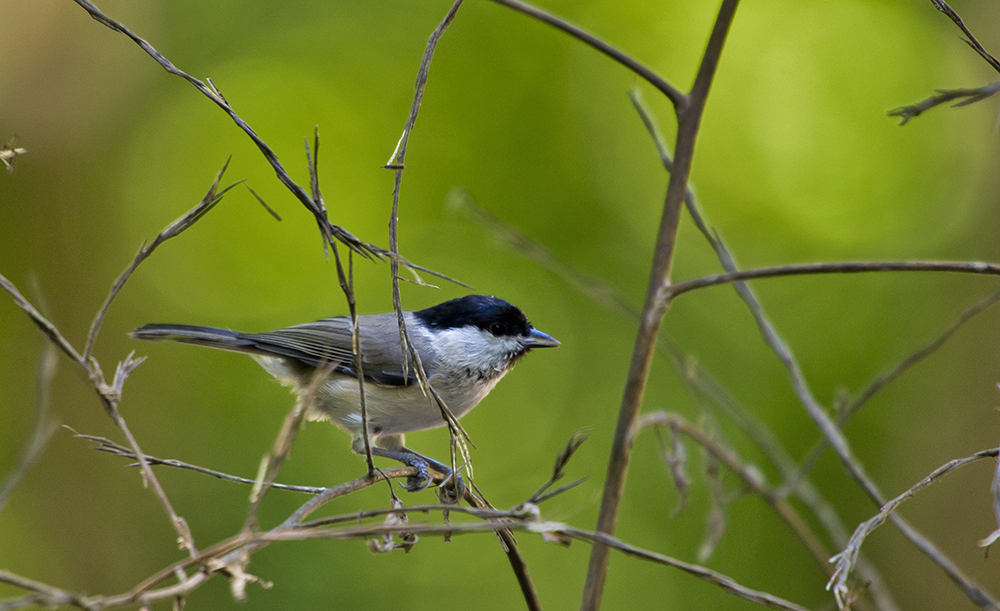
column 796, row 162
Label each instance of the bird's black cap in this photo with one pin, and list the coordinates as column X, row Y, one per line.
column 490, row 314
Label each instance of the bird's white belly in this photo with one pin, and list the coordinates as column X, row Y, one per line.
column 395, row 410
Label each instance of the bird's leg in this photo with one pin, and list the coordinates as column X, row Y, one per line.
column 452, row 480
column 414, row 483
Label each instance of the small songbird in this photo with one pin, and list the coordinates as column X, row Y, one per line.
column 466, row 345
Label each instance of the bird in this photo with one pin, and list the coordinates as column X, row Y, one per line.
column 466, row 345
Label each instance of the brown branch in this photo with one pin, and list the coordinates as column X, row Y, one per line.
column 397, row 163
column 759, row 433
column 213, row 197
column 751, row 477
column 272, row 461
column 106, row 445
column 328, row 230
column 846, row 267
column 827, row 427
column 942, row 6
column 887, row 378
column 219, row 557
column 109, row 396
column 347, row 287
column 847, row 558
column 210, row 91
column 966, row 96
column 678, row 99
column 688, row 121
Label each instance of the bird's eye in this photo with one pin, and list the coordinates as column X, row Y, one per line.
column 498, row 329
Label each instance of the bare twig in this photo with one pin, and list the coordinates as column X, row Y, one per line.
column 272, row 461
column 210, row 91
column 347, row 287
column 942, row 6
column 846, row 267
column 110, row 395
column 46, row 327
column 328, row 230
column 574, row 443
column 213, row 197
column 828, row 427
column 397, row 163
column 688, row 121
column 943, row 96
column 752, row 477
column 106, row 445
column 846, row 559
column 219, row 557
column 887, row 378
column 757, row 431
column 673, row 94
column 713, row 577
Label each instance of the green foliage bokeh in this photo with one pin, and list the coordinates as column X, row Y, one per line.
column 796, row 162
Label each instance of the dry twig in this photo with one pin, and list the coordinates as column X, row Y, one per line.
column 688, row 120
column 847, row 558
column 943, row 96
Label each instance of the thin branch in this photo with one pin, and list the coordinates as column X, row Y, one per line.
column 752, row 477
column 942, row 6
column 918, row 356
column 847, row 558
column 574, row 443
column 328, row 230
column 397, row 163
column 678, row 99
column 688, row 121
column 213, row 197
column 758, row 432
column 47, row 328
column 943, row 96
column 825, row 423
column 890, row 376
column 273, row 460
column 210, row 91
column 110, row 395
column 347, row 287
column 845, row 267
column 218, row 558
column 723, row 581
column 106, row 445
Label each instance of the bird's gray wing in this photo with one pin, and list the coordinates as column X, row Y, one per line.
column 328, row 342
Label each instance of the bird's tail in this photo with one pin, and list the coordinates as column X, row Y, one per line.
column 221, row 339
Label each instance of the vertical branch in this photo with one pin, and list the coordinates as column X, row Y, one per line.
column 397, row 163
column 456, row 433
column 688, row 119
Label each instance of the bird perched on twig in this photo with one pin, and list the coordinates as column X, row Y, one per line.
column 466, row 345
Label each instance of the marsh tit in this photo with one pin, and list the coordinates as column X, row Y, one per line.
column 466, row 345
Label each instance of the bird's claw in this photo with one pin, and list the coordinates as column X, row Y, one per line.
column 421, row 481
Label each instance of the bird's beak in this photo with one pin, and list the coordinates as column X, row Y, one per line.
column 537, row 339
